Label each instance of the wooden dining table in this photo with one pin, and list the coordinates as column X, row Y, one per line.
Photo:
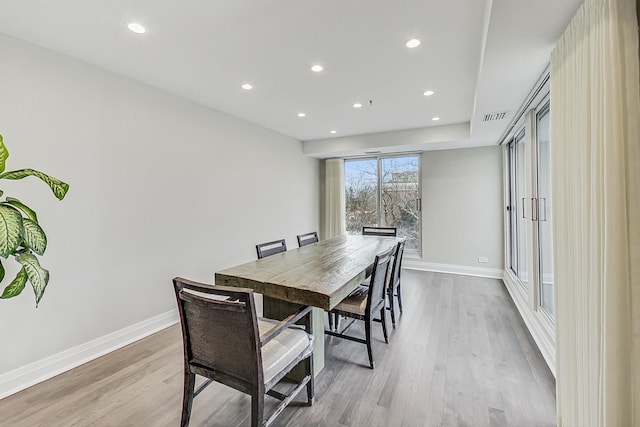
column 320, row 275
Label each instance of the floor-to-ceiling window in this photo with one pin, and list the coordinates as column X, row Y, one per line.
column 519, row 231
column 385, row 192
column 545, row 247
column 528, row 222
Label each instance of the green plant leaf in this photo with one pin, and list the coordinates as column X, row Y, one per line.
column 38, row 276
column 2, row 272
column 16, row 286
column 34, row 236
column 3, row 155
column 24, row 208
column 11, row 230
column 58, row 187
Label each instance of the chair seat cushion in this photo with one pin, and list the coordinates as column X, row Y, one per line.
column 283, row 349
column 356, row 302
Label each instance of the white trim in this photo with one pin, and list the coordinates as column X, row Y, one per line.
column 415, row 264
column 536, row 322
column 14, row 381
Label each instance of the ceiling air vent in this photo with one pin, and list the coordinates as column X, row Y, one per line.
column 489, row 117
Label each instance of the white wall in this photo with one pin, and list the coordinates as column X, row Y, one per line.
column 462, row 204
column 160, row 187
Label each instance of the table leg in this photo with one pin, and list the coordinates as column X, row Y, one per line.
column 279, row 309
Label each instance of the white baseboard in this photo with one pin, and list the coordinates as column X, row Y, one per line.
column 414, row 264
column 14, row 381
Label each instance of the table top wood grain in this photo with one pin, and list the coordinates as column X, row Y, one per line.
column 320, row 274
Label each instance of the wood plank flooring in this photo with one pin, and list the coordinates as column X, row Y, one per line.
column 460, row 356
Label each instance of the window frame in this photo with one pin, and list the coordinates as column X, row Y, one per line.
column 379, row 158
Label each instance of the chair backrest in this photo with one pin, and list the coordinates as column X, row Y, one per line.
column 220, row 333
column 379, row 231
column 270, row 248
column 307, row 239
column 397, row 264
column 378, row 283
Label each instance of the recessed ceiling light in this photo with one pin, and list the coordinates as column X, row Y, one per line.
column 413, row 43
column 435, row 119
column 428, row 93
column 332, row 131
column 302, row 115
column 246, row 86
column 317, row 68
column 136, row 28
column 357, row 105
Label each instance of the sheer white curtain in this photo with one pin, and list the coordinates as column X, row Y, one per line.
column 595, row 118
column 334, row 202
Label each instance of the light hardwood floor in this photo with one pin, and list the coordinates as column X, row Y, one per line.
column 460, row 356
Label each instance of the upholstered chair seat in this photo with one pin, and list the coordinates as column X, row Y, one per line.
column 291, row 344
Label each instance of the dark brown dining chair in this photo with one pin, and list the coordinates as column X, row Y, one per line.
column 225, row 342
column 365, row 302
column 394, row 288
column 307, row 239
column 271, row 248
column 380, row 231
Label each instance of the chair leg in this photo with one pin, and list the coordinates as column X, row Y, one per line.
column 367, row 331
column 310, row 385
column 383, row 315
column 330, row 314
column 391, row 308
column 187, row 397
column 399, row 295
column 257, row 409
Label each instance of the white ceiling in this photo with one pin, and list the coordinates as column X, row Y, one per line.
column 479, row 56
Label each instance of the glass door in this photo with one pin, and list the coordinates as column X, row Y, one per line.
column 519, row 184
column 400, row 197
column 529, row 272
column 545, row 246
column 512, row 208
column 530, row 231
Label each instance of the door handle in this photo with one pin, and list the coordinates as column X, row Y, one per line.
column 534, row 213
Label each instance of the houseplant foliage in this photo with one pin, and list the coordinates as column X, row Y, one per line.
column 21, row 236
